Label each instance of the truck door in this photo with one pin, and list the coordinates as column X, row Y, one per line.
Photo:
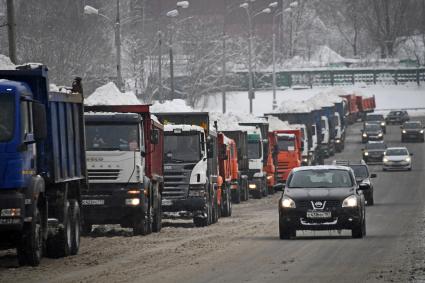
column 28, row 145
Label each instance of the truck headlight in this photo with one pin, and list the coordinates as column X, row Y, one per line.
column 350, row 201
column 365, row 135
column 305, row 160
column 404, row 131
column 382, row 123
column 385, row 159
column 269, row 177
column 287, row 202
column 132, row 201
column 421, row 131
column 380, row 135
column 338, row 141
column 366, row 153
column 10, row 212
column 252, row 186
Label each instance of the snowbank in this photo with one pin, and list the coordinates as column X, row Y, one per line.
column 175, row 105
column 5, row 63
column 109, row 94
column 230, row 121
column 275, row 124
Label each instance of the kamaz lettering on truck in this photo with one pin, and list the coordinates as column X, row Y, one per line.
column 190, row 167
column 42, row 165
column 124, row 158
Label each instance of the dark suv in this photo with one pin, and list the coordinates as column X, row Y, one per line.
column 322, row 197
column 372, row 132
column 363, row 176
column 397, row 117
column 374, row 152
column 413, row 130
column 378, row 118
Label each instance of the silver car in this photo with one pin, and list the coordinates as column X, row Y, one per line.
column 396, row 158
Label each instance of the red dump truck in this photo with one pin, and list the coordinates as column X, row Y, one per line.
column 365, row 105
column 289, row 152
column 353, row 109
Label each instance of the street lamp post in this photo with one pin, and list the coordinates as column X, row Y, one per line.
column 11, row 31
column 251, row 91
column 274, row 103
column 89, row 10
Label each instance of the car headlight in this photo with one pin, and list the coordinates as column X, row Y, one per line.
column 365, row 135
column 305, row 160
column 404, row 131
column 269, row 177
column 382, row 123
column 385, row 159
column 350, row 201
column 252, row 186
column 338, row 141
column 407, row 159
column 421, row 131
column 287, row 202
column 380, row 135
column 366, row 153
column 132, row 201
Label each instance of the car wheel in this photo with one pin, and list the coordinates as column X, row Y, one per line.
column 370, row 201
column 285, row 233
column 358, row 230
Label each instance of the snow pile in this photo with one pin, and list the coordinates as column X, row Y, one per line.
column 5, row 63
column 325, row 55
column 275, row 124
column 230, row 121
column 109, row 94
column 291, row 106
column 175, row 105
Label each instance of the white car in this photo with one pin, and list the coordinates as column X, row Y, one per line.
column 397, row 158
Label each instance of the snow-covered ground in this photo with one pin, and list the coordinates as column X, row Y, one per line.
column 387, row 97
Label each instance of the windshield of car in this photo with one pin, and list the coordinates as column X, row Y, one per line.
column 372, row 127
column 395, row 113
column 375, row 146
column 185, row 147
column 323, row 178
column 360, row 171
column 412, row 125
column 105, row 137
column 6, row 117
column 374, row 117
column 396, row 151
column 286, row 143
column 254, row 150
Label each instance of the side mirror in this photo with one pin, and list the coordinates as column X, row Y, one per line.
column 373, row 175
column 279, row 187
column 155, row 136
column 223, row 152
column 40, row 121
column 210, row 149
column 363, row 187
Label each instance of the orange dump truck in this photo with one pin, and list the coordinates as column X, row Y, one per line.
column 289, row 152
column 228, row 173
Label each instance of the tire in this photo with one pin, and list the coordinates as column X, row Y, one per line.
column 30, row 247
column 59, row 244
column 215, row 210
column 227, row 204
column 204, row 221
column 359, row 231
column 75, row 227
column 285, row 233
column 157, row 217
column 143, row 226
column 236, row 197
column 371, row 201
column 264, row 188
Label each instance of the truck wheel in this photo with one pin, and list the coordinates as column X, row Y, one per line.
column 264, row 188
column 75, row 227
column 59, row 244
column 143, row 226
column 226, row 208
column 229, row 201
column 204, row 220
column 157, row 218
column 236, row 196
column 30, row 248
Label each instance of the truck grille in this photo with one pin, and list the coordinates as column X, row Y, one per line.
column 103, row 174
column 283, row 165
column 176, row 185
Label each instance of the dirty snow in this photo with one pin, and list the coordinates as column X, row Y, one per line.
column 109, row 94
column 5, row 63
column 175, row 105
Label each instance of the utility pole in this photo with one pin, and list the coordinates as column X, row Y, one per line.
column 160, row 65
column 118, row 47
column 11, row 30
column 251, row 92
column 171, row 63
column 223, row 79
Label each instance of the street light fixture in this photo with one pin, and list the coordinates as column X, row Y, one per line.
column 89, row 10
column 173, row 13
column 183, row 4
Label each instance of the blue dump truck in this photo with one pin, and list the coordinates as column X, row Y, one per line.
column 42, row 165
column 340, row 124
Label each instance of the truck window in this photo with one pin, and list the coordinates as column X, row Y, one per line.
column 7, row 115
column 286, row 143
column 254, row 149
column 112, row 137
column 336, row 120
column 26, row 123
column 185, row 147
column 323, row 124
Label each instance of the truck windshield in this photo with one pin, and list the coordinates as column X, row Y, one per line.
column 7, row 115
column 254, row 150
column 104, row 137
column 185, row 147
column 286, row 143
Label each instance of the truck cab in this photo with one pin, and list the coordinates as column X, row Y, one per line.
column 325, row 141
column 126, row 181
column 289, row 152
column 256, row 175
column 190, row 167
column 228, row 172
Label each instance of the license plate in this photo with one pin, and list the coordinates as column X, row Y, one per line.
column 93, row 202
column 319, row 214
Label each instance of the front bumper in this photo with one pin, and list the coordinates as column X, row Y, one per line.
column 397, row 165
column 190, row 204
column 12, row 200
column 373, row 158
column 341, row 218
column 413, row 136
